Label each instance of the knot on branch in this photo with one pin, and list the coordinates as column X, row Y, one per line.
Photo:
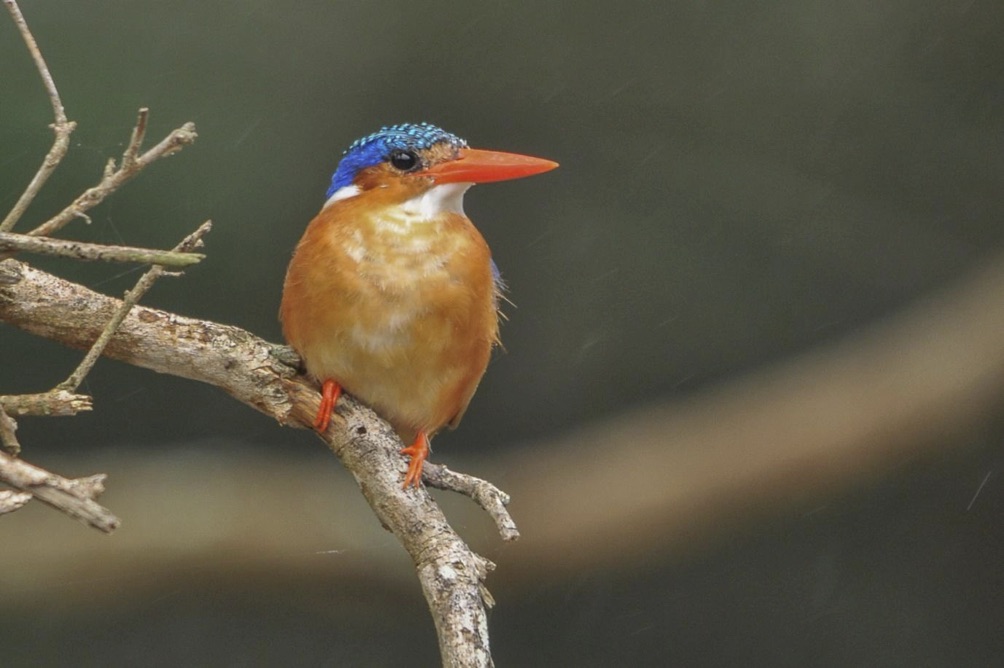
column 10, row 273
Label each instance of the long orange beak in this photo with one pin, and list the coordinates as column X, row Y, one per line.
column 477, row 166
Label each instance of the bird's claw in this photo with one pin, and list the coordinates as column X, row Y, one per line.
column 330, row 392
column 418, row 451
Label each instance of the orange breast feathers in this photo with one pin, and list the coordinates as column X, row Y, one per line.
column 398, row 309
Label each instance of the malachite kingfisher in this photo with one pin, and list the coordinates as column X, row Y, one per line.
column 392, row 294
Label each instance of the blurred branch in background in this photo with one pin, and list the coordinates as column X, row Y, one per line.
column 671, row 478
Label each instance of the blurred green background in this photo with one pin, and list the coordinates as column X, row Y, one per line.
column 739, row 183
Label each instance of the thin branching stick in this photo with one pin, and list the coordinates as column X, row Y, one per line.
column 45, row 404
column 76, row 498
column 114, row 177
column 79, row 250
column 61, row 127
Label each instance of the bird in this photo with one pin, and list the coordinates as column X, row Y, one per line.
column 392, row 294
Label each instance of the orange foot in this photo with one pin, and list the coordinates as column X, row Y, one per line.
column 418, row 451
column 330, row 392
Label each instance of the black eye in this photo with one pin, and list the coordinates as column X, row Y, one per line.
column 406, row 161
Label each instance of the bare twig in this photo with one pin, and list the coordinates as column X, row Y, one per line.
column 136, row 140
column 492, row 499
column 114, row 178
column 52, row 403
column 146, row 281
column 62, row 127
column 79, row 250
column 73, row 497
column 36, row 55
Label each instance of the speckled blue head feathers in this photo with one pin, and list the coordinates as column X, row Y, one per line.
column 377, row 147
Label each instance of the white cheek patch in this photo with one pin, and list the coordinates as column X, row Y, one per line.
column 344, row 192
column 444, row 198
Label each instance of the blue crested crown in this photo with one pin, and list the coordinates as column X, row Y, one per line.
column 377, row 147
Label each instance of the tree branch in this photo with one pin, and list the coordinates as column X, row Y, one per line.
column 248, row 369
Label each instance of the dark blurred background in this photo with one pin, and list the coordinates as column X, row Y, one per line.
column 740, row 184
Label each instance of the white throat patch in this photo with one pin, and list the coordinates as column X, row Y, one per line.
column 444, row 198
